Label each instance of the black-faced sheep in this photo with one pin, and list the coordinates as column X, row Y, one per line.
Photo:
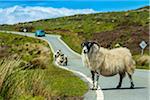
column 102, row 61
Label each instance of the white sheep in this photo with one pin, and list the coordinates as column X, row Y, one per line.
column 65, row 62
column 57, row 53
column 102, row 61
column 62, row 60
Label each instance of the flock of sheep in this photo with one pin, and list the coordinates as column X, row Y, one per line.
column 102, row 61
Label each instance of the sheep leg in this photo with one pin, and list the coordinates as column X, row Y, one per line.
column 120, row 82
column 131, row 81
column 66, row 63
column 93, row 80
column 96, row 83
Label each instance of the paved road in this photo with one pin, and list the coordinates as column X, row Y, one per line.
column 141, row 78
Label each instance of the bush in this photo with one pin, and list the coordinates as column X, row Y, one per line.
column 39, row 62
column 143, row 60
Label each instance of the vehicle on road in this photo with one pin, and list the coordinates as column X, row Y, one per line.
column 40, row 33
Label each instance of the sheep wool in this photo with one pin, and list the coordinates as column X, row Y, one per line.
column 110, row 62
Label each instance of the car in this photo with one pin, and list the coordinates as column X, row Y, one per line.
column 40, row 33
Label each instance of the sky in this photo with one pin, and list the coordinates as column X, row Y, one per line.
column 15, row 11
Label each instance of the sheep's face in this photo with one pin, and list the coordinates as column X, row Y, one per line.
column 58, row 51
column 88, row 46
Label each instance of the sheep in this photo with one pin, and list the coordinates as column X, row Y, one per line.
column 65, row 62
column 62, row 60
column 102, row 61
column 57, row 54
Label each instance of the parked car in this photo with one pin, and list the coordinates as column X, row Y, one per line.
column 40, row 33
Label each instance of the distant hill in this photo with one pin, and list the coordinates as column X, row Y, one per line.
column 127, row 28
column 144, row 8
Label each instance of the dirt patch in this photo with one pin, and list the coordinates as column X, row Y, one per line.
column 4, row 51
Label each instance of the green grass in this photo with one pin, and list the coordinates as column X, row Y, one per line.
column 19, row 45
column 9, row 39
column 23, row 83
column 49, row 83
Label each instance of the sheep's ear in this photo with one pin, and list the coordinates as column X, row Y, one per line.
column 90, row 44
column 96, row 44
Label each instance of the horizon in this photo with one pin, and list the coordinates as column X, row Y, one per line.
column 31, row 10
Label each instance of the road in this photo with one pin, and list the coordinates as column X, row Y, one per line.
column 107, row 85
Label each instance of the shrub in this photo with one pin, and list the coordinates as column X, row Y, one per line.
column 143, row 60
column 39, row 62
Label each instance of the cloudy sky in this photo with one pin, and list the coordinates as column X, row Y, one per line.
column 14, row 11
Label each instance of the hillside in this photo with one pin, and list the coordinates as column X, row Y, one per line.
column 126, row 28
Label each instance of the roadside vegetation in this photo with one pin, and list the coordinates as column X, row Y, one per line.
column 142, row 61
column 126, row 28
column 27, row 72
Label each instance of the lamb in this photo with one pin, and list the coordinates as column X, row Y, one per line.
column 102, row 61
column 65, row 62
column 62, row 60
column 57, row 54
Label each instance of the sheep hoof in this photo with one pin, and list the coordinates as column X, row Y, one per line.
column 132, row 87
column 65, row 64
column 118, row 87
column 93, row 88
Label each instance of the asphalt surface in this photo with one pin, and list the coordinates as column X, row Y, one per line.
column 107, row 84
